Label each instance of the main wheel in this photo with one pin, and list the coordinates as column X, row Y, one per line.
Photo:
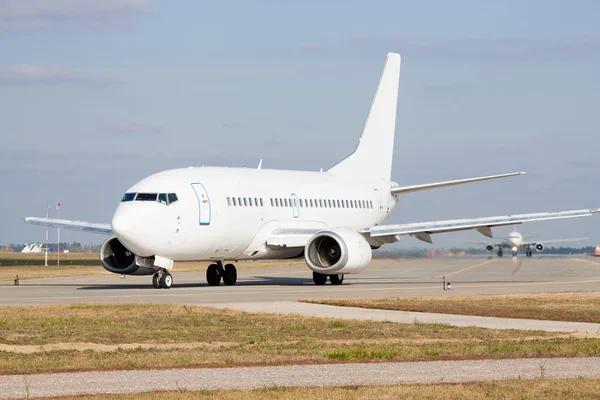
column 499, row 254
column 319, row 279
column 156, row 281
column 213, row 275
column 230, row 276
column 336, row 279
column 166, row 280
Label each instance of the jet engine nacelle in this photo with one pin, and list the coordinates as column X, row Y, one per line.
column 539, row 247
column 117, row 259
column 489, row 248
column 339, row 251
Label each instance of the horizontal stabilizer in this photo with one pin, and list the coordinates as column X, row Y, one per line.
column 84, row 226
column 415, row 229
column 427, row 186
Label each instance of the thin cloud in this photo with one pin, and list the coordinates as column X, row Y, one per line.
column 34, row 15
column 138, row 129
column 26, row 74
column 583, row 45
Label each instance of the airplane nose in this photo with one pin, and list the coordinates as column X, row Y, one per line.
column 126, row 228
column 121, row 224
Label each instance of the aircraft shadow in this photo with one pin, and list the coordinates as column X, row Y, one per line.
column 268, row 281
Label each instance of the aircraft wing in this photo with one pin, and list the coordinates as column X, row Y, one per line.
column 427, row 186
column 554, row 241
column 84, row 226
column 423, row 230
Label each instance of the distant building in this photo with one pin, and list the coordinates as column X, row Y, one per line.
column 32, row 248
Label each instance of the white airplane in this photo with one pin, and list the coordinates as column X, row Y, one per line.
column 515, row 241
column 333, row 219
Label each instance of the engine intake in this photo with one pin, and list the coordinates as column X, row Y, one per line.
column 117, row 259
column 539, row 247
column 337, row 251
column 489, row 247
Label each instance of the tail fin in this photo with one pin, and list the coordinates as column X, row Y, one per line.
column 372, row 158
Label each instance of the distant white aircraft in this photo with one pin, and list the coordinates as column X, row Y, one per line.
column 515, row 241
column 332, row 219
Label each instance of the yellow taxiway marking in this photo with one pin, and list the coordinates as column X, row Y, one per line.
column 585, row 261
column 468, row 268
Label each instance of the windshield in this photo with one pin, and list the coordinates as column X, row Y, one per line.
column 163, row 198
column 146, row 197
column 128, row 197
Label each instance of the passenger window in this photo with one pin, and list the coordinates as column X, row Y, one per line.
column 256, row 202
column 285, row 202
column 276, row 202
column 162, row 198
column 229, row 201
column 320, row 203
column 239, row 201
column 250, row 201
column 146, row 197
column 301, row 203
column 311, row 203
column 261, row 202
column 128, row 197
column 234, row 202
column 329, row 203
column 245, row 203
column 295, row 202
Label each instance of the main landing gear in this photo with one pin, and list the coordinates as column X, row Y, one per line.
column 528, row 252
column 321, row 279
column 500, row 253
column 162, row 280
column 218, row 271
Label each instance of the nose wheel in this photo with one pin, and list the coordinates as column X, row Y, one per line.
column 162, row 280
column 218, row 271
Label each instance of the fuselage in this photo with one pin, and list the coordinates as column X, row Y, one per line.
column 515, row 240
column 229, row 213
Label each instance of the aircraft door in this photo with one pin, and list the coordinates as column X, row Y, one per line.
column 295, row 205
column 204, row 209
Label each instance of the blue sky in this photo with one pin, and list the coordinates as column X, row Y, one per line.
column 97, row 95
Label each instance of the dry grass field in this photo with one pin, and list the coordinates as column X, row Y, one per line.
column 578, row 307
column 128, row 336
column 547, row 389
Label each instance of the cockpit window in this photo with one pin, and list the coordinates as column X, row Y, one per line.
column 162, row 198
column 146, row 197
column 128, row 197
column 172, row 197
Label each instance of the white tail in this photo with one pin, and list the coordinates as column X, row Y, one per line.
column 372, row 158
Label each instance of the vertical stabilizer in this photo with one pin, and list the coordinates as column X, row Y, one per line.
column 372, row 158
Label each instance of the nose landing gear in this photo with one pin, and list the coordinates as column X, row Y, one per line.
column 162, row 280
column 216, row 272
